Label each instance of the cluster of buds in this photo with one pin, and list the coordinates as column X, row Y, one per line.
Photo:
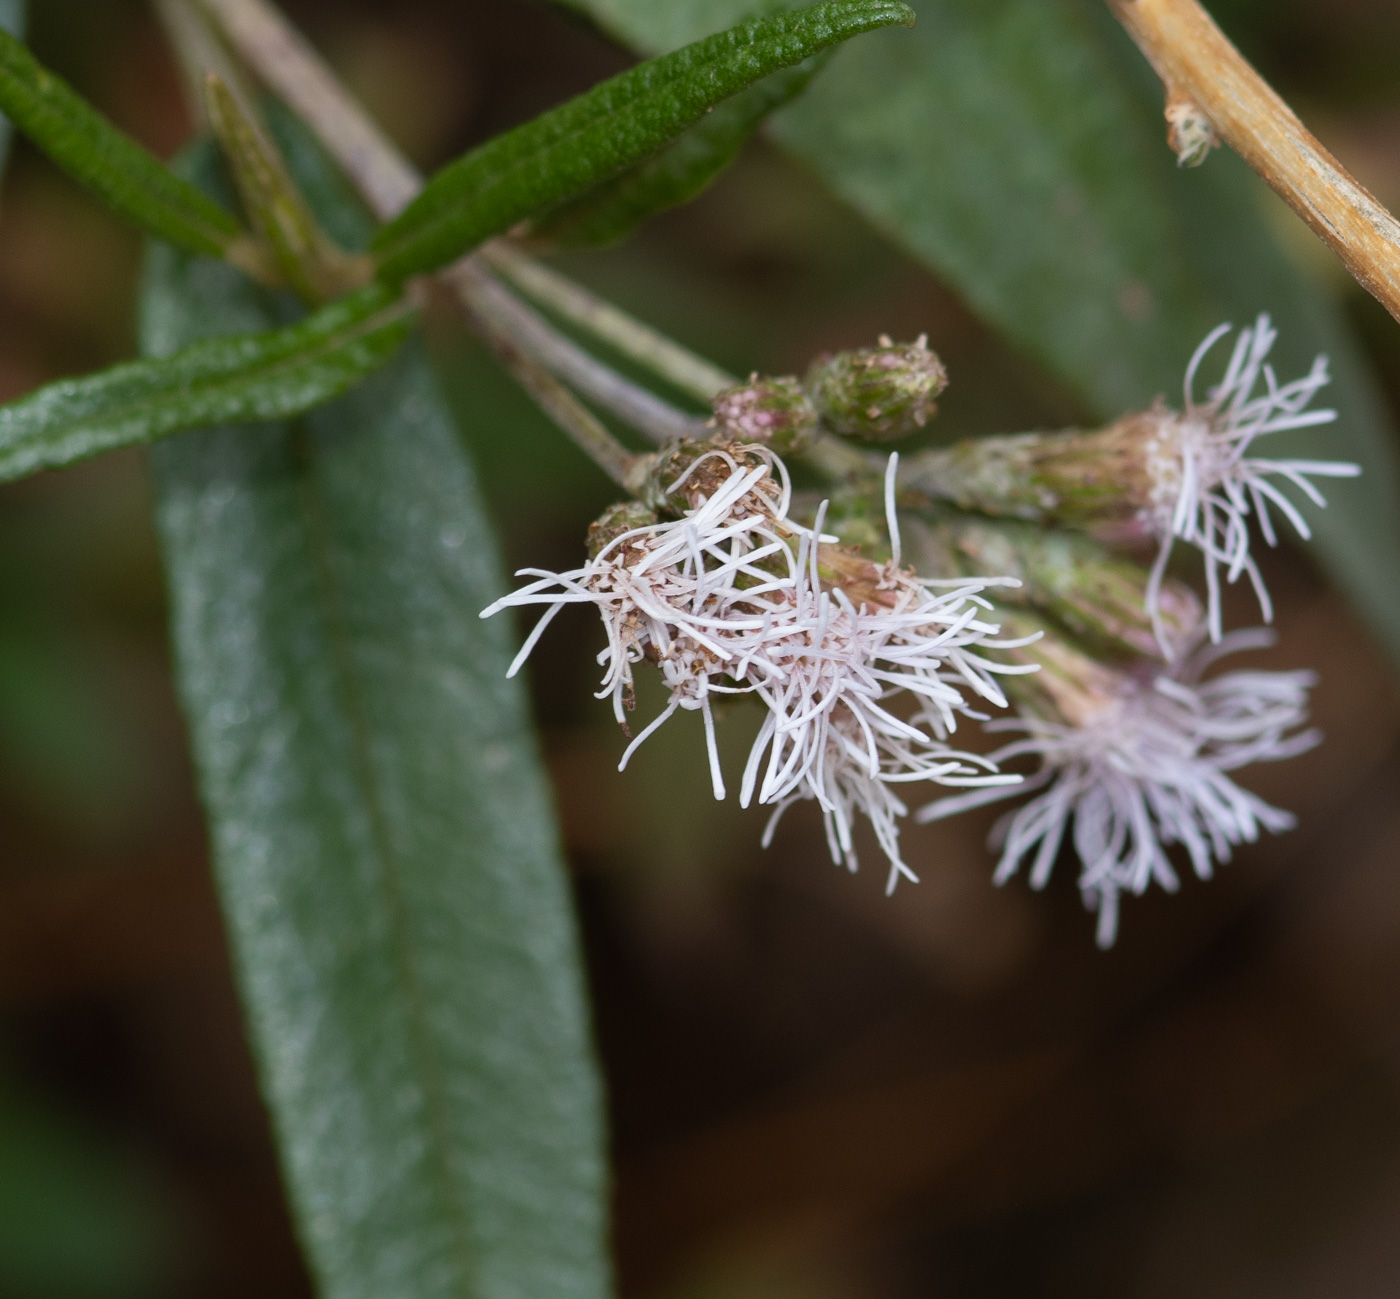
column 1135, row 742
column 730, row 587
column 873, row 394
column 863, row 668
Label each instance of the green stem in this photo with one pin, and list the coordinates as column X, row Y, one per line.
column 481, row 296
column 665, row 358
column 388, row 182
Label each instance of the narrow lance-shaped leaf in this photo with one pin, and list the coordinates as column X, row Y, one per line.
column 306, row 259
column 85, row 144
column 255, row 376
column 383, row 840
column 593, row 137
column 676, row 174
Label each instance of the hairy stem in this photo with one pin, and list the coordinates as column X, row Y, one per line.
column 665, row 358
column 482, row 298
column 1199, row 66
column 388, row 182
column 658, row 419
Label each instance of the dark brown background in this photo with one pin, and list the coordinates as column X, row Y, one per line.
column 816, row 1093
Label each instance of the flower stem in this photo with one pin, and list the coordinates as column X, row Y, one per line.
column 643, row 410
column 287, row 63
column 388, row 182
column 482, row 297
column 1198, row 64
column 665, row 358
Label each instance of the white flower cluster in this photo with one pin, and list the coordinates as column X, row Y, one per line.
column 733, row 598
column 1148, row 768
column 1205, row 484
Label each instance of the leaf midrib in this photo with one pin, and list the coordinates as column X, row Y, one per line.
column 427, row 1071
column 149, row 403
column 451, row 209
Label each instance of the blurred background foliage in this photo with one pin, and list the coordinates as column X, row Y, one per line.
column 815, row 1092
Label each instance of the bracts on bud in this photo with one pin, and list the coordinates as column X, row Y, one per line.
column 1101, row 481
column 615, row 522
column 878, row 394
column 1094, row 594
column 773, row 412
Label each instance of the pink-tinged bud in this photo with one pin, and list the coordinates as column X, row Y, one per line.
column 774, row 412
column 878, row 394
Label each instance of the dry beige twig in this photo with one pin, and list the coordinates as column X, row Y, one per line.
column 1200, row 67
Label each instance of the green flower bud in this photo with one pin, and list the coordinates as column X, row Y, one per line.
column 1095, row 595
column 626, row 516
column 878, row 394
column 774, row 412
column 1109, row 481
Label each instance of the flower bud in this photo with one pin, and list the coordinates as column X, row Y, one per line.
column 1096, row 596
column 1113, row 481
column 687, row 473
column 774, row 412
column 614, row 522
column 878, row 394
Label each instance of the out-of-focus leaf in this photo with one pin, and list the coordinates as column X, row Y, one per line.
column 87, row 146
column 1016, row 147
column 264, row 375
column 383, row 839
column 78, row 1218
column 12, row 14
column 675, row 175
column 591, row 138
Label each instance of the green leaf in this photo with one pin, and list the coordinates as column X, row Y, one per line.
column 383, row 837
column 615, row 125
column 1017, row 148
column 12, row 16
column 87, row 146
column 676, row 174
column 253, row 376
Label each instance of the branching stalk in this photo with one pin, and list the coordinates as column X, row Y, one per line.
column 1199, row 66
column 481, row 296
column 643, row 410
column 665, row 358
column 388, row 181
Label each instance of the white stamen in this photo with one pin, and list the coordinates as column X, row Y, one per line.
column 1208, row 487
column 1149, row 770
column 724, row 602
column 891, row 514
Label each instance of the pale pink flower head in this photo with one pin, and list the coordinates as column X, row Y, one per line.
column 863, row 668
column 1143, row 765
